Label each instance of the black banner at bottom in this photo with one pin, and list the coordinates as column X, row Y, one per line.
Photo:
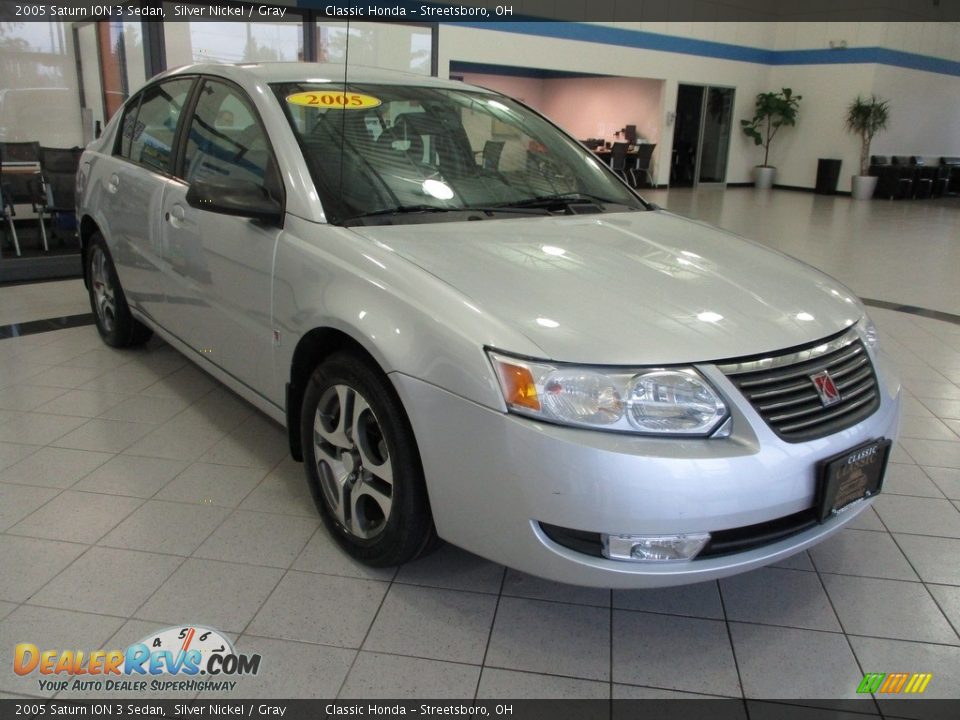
column 653, row 709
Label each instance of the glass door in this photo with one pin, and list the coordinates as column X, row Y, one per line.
column 715, row 135
column 701, row 135
column 686, row 136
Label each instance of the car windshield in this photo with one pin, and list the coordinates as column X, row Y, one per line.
column 389, row 153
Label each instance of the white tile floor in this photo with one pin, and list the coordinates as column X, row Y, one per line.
column 136, row 492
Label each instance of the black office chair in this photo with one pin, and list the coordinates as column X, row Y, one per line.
column 907, row 175
column 20, row 188
column 7, row 212
column 20, row 152
column 950, row 172
column 618, row 163
column 492, row 150
column 58, row 171
column 644, row 158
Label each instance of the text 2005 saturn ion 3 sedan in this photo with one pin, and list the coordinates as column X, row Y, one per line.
column 474, row 330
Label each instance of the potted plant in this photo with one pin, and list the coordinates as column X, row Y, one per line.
column 866, row 117
column 773, row 111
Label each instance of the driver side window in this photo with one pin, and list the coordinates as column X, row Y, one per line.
column 226, row 141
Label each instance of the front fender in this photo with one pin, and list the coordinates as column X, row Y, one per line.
column 408, row 320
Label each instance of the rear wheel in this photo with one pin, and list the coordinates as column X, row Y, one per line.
column 117, row 326
column 362, row 463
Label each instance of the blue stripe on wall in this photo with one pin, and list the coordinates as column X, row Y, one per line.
column 706, row 48
column 629, row 38
column 458, row 66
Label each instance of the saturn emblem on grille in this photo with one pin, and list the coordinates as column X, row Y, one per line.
column 826, row 388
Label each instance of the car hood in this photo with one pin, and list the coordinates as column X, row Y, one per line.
column 628, row 288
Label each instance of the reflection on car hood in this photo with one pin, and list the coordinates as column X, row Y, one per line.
column 628, row 288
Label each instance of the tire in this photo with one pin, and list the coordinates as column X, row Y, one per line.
column 116, row 325
column 362, row 463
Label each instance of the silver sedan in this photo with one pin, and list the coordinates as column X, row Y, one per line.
column 474, row 330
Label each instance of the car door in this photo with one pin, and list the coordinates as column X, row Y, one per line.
column 134, row 183
column 218, row 268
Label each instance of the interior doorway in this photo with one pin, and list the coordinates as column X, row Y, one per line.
column 701, row 135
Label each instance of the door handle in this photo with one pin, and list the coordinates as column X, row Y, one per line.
column 114, row 184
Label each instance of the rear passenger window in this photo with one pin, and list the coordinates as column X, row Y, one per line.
column 226, row 141
column 148, row 140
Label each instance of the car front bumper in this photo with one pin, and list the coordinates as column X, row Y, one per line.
column 494, row 478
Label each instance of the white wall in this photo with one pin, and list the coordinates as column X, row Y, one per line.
column 751, row 34
column 939, row 39
column 925, row 111
column 827, row 90
column 502, row 48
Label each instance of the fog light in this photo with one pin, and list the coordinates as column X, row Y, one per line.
column 653, row 547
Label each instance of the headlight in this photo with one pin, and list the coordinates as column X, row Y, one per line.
column 868, row 332
column 649, row 401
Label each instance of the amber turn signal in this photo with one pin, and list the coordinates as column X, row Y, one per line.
column 519, row 389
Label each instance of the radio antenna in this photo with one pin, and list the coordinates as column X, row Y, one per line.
column 343, row 110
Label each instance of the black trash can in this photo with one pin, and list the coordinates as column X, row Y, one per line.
column 828, row 175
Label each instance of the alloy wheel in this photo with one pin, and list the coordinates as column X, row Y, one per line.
column 104, row 294
column 353, row 462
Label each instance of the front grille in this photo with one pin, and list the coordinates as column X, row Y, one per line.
column 742, row 539
column 780, row 388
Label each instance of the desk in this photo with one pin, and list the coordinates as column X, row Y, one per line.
column 20, row 169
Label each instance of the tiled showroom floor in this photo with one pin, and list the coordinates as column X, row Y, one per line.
column 137, row 493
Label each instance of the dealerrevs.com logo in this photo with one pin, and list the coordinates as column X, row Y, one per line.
column 187, row 651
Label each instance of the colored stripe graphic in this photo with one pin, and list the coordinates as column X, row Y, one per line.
column 918, row 683
column 894, row 683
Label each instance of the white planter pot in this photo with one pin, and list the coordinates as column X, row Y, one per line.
column 763, row 177
column 862, row 187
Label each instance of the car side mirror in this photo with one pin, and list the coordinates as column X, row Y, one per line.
column 235, row 197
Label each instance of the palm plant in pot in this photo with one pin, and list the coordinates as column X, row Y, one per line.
column 774, row 110
column 866, row 117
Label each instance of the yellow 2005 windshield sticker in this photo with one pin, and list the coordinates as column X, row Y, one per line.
column 333, row 99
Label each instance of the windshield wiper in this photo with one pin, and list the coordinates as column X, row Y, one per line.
column 565, row 199
column 509, row 208
column 415, row 209
column 400, row 209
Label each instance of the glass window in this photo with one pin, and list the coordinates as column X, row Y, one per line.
column 233, row 42
column 226, row 141
column 405, row 148
column 152, row 135
column 394, row 46
column 39, row 100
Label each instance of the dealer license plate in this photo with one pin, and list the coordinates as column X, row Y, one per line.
column 850, row 476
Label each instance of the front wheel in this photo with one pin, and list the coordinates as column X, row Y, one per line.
column 116, row 325
column 362, row 463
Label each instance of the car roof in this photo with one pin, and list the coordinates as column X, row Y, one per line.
column 273, row 72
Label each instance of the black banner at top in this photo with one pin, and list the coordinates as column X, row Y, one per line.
column 468, row 11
